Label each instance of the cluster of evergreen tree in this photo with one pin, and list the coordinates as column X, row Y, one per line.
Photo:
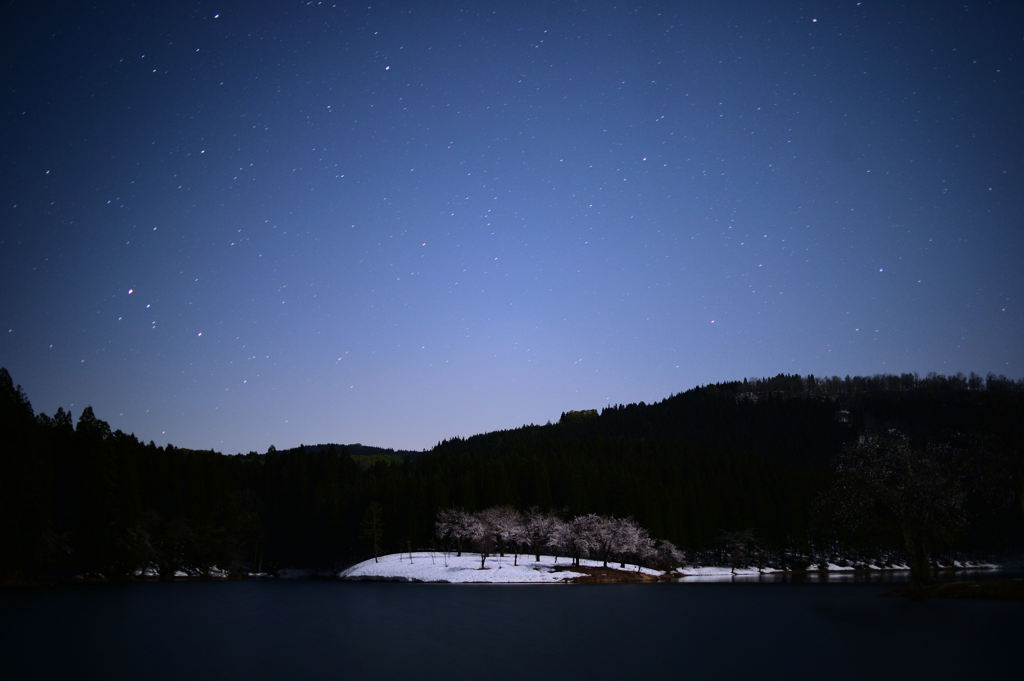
column 748, row 463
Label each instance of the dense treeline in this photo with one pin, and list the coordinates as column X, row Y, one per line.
column 750, row 462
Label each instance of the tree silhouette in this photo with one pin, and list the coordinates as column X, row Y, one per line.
column 888, row 489
column 373, row 527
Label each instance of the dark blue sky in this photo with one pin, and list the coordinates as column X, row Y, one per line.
column 238, row 224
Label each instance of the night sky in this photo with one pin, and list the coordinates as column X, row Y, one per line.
column 231, row 225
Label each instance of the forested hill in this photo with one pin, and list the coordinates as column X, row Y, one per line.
column 756, row 457
column 365, row 455
column 789, row 418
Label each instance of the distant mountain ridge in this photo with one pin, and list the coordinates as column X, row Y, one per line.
column 833, row 406
column 355, row 449
column 365, row 455
column 791, row 418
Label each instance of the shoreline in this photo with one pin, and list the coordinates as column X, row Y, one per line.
column 437, row 567
column 434, row 567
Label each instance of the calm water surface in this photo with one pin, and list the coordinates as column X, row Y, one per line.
column 333, row 630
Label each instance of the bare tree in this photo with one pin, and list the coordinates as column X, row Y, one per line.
column 516, row 536
column 668, row 555
column 444, row 526
column 558, row 537
column 454, row 525
column 501, row 528
column 373, row 527
column 506, row 524
column 538, row 528
column 627, row 536
column 483, row 535
column 600, row 532
column 609, row 537
column 643, row 548
column 577, row 537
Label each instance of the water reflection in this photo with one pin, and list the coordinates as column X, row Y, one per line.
column 263, row 631
column 833, row 577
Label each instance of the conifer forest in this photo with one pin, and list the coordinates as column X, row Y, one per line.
column 791, row 469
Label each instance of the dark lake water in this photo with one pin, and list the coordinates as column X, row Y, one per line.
column 335, row 630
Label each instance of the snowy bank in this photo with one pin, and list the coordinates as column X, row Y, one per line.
column 435, row 566
column 843, row 570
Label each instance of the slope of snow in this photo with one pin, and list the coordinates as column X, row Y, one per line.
column 434, row 566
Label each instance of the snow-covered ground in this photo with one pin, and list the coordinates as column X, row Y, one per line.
column 712, row 573
column 213, row 572
column 435, row 566
column 427, row 566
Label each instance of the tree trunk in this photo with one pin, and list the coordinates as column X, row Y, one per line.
column 917, row 557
